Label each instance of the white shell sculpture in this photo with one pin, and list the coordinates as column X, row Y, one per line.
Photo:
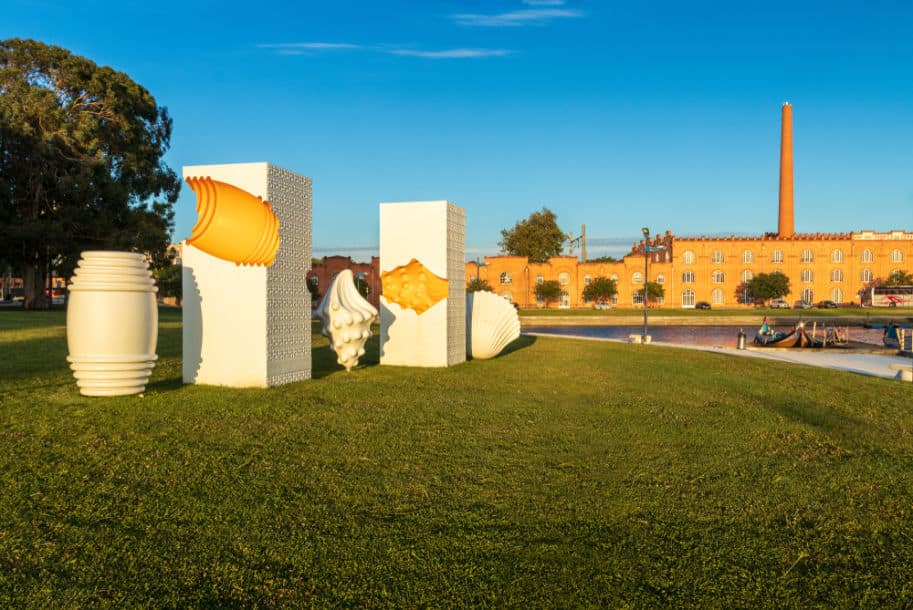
column 491, row 324
column 346, row 319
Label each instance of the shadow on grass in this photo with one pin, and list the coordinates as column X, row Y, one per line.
column 522, row 342
column 821, row 418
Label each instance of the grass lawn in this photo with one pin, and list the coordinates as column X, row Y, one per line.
column 560, row 474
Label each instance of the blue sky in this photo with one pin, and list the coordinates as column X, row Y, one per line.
column 616, row 115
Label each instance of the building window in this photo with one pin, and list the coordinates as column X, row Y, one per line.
column 687, row 277
column 867, row 256
column 808, row 295
column 746, row 296
column 807, row 256
column 866, row 275
column 688, row 298
column 638, row 297
column 807, row 276
column 637, row 278
column 837, row 295
column 688, row 257
column 587, row 280
column 747, row 257
column 717, row 256
column 718, row 277
column 717, row 296
column 836, row 275
column 564, row 278
column 540, row 278
column 837, row 256
column 747, row 276
column 564, row 300
column 660, row 279
column 777, row 257
column 614, row 277
column 506, row 279
column 896, row 256
column 615, row 299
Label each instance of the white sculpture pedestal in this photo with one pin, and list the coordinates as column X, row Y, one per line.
column 423, row 305
column 250, row 326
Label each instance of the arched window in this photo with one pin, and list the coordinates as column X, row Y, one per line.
column 564, row 300
column 777, row 257
column 746, row 296
column 747, row 276
column 637, row 278
column 505, row 278
column 615, row 299
column 660, row 279
column 717, row 277
column 836, row 275
column 867, row 256
column 837, row 256
column 717, row 256
column 717, row 296
column 564, row 278
column 688, row 257
column 807, row 276
column 866, row 275
column 687, row 277
column 638, row 297
column 587, row 279
column 808, row 296
column 807, row 256
column 837, row 295
column 896, row 256
column 688, row 298
column 747, row 257
column 540, row 278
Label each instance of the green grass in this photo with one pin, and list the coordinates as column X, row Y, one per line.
column 560, row 474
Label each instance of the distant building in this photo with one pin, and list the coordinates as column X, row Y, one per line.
column 322, row 273
column 820, row 266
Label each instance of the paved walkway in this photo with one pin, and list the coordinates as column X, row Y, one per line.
column 864, row 364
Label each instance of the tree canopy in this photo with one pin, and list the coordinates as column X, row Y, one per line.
column 478, row 284
column 548, row 291
column 538, row 237
column 767, row 286
column 600, row 289
column 899, row 278
column 655, row 292
column 81, row 166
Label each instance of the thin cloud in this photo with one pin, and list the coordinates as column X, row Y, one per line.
column 545, row 2
column 307, row 48
column 452, row 53
column 533, row 16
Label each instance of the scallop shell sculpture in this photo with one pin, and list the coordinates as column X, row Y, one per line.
column 233, row 224
column 491, row 324
column 346, row 318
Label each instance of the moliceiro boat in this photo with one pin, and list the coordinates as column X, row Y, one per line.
column 800, row 337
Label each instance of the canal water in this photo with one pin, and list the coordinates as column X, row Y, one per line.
column 714, row 336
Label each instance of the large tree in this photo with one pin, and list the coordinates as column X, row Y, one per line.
column 478, row 284
column 655, row 292
column 899, row 278
column 538, row 237
column 767, row 286
column 81, row 166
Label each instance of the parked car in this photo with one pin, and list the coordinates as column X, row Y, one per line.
column 702, row 305
column 602, row 306
column 779, row 304
column 826, row 305
column 802, row 305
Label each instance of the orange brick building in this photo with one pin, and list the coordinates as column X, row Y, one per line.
column 834, row 266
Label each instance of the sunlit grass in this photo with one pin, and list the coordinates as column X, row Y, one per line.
column 560, row 474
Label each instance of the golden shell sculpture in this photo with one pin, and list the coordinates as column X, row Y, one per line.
column 491, row 324
column 413, row 286
column 233, row 224
column 346, row 318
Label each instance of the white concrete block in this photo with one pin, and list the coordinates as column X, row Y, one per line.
column 423, row 305
column 250, row 326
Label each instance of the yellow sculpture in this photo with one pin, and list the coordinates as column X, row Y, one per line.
column 413, row 286
column 233, row 224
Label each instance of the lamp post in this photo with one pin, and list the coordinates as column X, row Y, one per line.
column 646, row 232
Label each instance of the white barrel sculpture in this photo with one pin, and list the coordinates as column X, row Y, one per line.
column 112, row 323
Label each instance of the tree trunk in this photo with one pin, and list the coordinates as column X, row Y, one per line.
column 33, row 287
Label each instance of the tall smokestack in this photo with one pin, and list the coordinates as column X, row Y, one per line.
column 785, row 225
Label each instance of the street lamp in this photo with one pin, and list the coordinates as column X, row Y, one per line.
column 646, row 232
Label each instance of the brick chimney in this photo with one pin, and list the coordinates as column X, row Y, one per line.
column 785, row 224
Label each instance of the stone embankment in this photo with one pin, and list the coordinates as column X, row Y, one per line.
column 746, row 321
